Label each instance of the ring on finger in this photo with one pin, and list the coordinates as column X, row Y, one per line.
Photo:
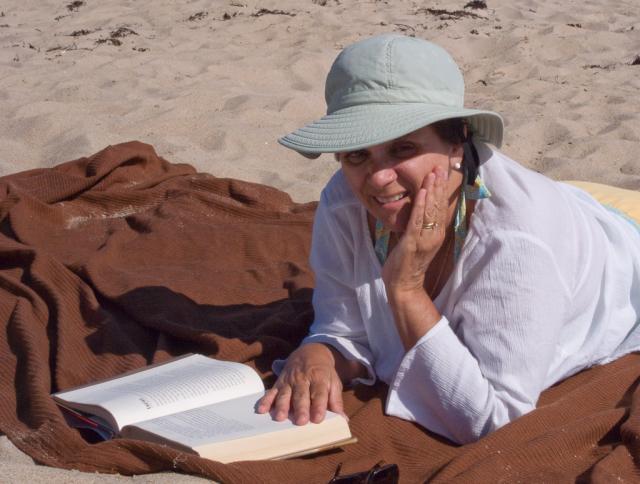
column 430, row 225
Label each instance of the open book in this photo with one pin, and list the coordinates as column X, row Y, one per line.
column 199, row 405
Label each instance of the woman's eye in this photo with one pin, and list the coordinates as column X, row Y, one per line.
column 404, row 150
column 355, row 157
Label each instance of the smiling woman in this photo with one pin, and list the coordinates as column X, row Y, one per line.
column 466, row 282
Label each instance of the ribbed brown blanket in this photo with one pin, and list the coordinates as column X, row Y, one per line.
column 123, row 259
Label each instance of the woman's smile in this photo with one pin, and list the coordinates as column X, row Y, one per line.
column 385, row 200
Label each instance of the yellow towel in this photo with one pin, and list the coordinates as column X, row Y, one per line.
column 627, row 201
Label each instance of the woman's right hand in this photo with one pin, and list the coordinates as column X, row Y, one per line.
column 308, row 385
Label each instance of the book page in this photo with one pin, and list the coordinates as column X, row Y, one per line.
column 173, row 387
column 224, row 421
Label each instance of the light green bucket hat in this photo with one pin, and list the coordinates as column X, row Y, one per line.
column 387, row 86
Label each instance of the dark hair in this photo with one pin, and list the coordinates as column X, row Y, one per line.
column 451, row 130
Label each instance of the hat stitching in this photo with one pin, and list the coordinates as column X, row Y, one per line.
column 348, row 118
column 390, row 79
column 310, row 133
column 340, row 136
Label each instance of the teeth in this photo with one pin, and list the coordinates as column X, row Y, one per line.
column 390, row 199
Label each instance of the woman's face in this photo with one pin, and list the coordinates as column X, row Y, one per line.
column 386, row 177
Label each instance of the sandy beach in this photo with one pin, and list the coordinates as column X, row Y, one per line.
column 215, row 83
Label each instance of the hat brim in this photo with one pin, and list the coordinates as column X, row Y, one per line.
column 358, row 127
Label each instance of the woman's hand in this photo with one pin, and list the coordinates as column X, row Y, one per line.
column 308, row 385
column 404, row 270
column 407, row 264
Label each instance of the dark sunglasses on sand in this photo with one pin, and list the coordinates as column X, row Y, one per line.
column 378, row 474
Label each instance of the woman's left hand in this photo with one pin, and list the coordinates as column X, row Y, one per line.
column 405, row 268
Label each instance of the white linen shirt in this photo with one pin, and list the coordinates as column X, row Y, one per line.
column 547, row 283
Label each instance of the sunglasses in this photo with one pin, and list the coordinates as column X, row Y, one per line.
column 378, row 474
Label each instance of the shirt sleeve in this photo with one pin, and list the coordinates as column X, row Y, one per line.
column 466, row 383
column 337, row 318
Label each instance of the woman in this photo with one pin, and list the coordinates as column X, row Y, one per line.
column 465, row 281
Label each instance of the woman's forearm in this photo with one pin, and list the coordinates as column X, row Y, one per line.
column 414, row 314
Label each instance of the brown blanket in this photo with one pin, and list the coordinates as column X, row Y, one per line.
column 119, row 260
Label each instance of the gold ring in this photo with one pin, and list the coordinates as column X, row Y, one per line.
column 430, row 225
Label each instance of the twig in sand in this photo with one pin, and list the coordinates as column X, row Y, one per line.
column 116, row 35
column 598, row 66
column 447, row 14
column 62, row 48
column 197, row 16
column 266, row 11
column 405, row 27
column 75, row 5
column 476, row 4
column 121, row 32
column 81, row 32
column 109, row 40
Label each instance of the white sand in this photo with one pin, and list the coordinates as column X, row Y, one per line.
column 217, row 93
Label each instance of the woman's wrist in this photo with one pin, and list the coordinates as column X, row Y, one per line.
column 348, row 370
column 414, row 314
column 400, row 296
column 316, row 353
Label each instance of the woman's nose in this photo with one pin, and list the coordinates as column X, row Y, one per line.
column 381, row 173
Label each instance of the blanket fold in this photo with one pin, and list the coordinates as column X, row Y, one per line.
column 122, row 259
